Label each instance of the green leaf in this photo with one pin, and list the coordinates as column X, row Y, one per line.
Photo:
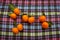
column 50, row 24
column 11, row 7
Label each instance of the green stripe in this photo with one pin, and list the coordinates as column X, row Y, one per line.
column 31, row 34
column 38, row 13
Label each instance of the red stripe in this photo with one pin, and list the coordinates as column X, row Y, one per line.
column 52, row 19
column 11, row 20
column 0, row 19
column 54, row 38
column 55, row 19
column 32, row 2
column 19, row 20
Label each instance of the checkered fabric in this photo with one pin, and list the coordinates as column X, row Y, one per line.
column 31, row 31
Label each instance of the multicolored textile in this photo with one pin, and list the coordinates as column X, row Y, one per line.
column 31, row 31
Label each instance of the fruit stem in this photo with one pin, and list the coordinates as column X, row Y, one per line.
column 43, row 13
column 15, row 24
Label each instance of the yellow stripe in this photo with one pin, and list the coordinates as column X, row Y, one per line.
column 31, row 34
column 38, row 13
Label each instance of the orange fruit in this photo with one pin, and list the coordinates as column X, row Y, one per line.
column 20, row 27
column 42, row 18
column 17, row 11
column 31, row 19
column 45, row 25
column 25, row 18
column 15, row 30
column 13, row 16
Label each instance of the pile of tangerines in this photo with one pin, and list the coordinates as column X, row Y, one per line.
column 25, row 18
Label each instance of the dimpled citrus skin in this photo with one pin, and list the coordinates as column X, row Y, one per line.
column 42, row 18
column 45, row 25
column 25, row 18
column 15, row 30
column 31, row 19
column 20, row 27
column 17, row 11
column 13, row 16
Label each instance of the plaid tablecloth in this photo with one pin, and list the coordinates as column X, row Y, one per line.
column 34, row 31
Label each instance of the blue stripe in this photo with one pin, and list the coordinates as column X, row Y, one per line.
column 33, row 7
column 30, row 27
